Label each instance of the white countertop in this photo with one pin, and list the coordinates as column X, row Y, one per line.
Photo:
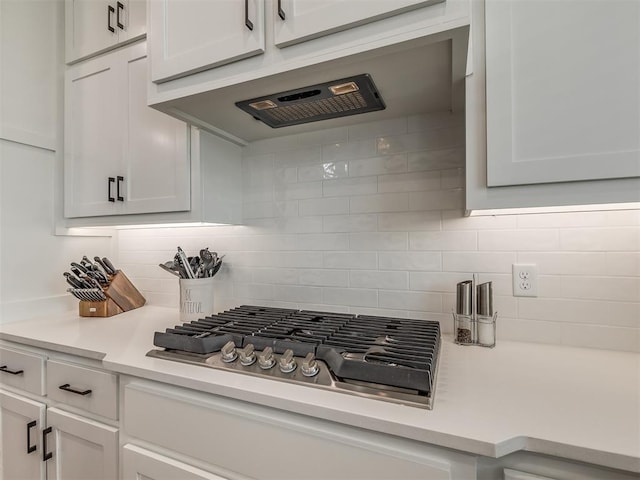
column 575, row 403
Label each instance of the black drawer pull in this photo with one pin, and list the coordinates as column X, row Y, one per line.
column 281, row 11
column 118, row 195
column 248, row 23
column 68, row 388
column 111, row 180
column 30, row 448
column 45, row 456
column 110, row 10
column 120, row 8
column 5, row 369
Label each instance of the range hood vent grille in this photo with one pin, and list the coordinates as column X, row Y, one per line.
column 339, row 98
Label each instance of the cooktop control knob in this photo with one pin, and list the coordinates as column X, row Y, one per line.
column 247, row 355
column 266, row 360
column 309, row 367
column 287, row 362
column 228, row 352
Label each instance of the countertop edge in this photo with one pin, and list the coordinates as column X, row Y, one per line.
column 54, row 347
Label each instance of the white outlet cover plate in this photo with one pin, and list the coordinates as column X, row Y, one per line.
column 525, row 280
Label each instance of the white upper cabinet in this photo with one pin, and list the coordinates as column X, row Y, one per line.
column 300, row 20
column 563, row 91
column 121, row 157
column 187, row 36
column 93, row 26
column 553, row 104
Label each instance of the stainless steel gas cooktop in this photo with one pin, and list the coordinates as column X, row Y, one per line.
column 391, row 359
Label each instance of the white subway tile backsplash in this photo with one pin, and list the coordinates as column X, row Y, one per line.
column 287, row 276
column 324, row 206
column 625, row 239
column 443, row 159
column 349, row 186
column 378, row 165
column 490, row 262
column 374, row 279
column 323, row 171
column 380, row 241
column 624, row 289
column 325, row 278
column 409, row 221
column 348, row 151
column 409, row 182
column 291, row 293
column 385, row 202
column 410, row 261
column 519, row 240
column 350, row 223
column 351, row 260
column 436, row 199
column 583, row 311
column 462, row 240
column 370, row 219
column 354, row 297
column 403, row 300
column 427, row 140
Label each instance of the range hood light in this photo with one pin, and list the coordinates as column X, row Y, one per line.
column 263, row 105
column 343, row 88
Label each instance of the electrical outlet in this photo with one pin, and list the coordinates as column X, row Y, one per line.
column 525, row 280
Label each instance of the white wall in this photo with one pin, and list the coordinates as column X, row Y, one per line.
column 369, row 220
column 32, row 258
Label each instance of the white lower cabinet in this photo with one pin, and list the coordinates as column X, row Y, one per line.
column 22, row 420
column 64, row 446
column 54, row 418
column 236, row 438
column 80, row 448
column 138, row 463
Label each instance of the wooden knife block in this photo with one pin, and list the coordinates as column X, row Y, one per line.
column 122, row 296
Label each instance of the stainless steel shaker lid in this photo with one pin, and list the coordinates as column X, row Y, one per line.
column 464, row 302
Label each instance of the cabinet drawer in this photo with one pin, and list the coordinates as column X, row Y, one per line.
column 218, row 431
column 22, row 370
column 92, row 390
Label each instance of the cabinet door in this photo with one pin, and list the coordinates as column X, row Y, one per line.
column 186, row 36
column 87, row 27
column 21, row 421
column 138, row 463
column 82, row 449
column 157, row 175
column 93, row 26
column 563, row 91
column 93, row 136
column 308, row 19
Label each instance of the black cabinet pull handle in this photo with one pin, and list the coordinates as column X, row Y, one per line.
column 5, row 369
column 69, row 388
column 45, row 456
column 118, row 195
column 120, row 8
column 111, row 180
column 281, row 13
column 30, row 448
column 248, row 23
column 110, row 10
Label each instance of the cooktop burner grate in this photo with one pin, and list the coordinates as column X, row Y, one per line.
column 392, row 352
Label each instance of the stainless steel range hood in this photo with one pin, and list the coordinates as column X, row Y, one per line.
column 421, row 75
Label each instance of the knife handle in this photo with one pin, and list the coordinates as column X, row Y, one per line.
column 109, row 265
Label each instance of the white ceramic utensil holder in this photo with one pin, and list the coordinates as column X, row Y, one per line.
column 196, row 298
